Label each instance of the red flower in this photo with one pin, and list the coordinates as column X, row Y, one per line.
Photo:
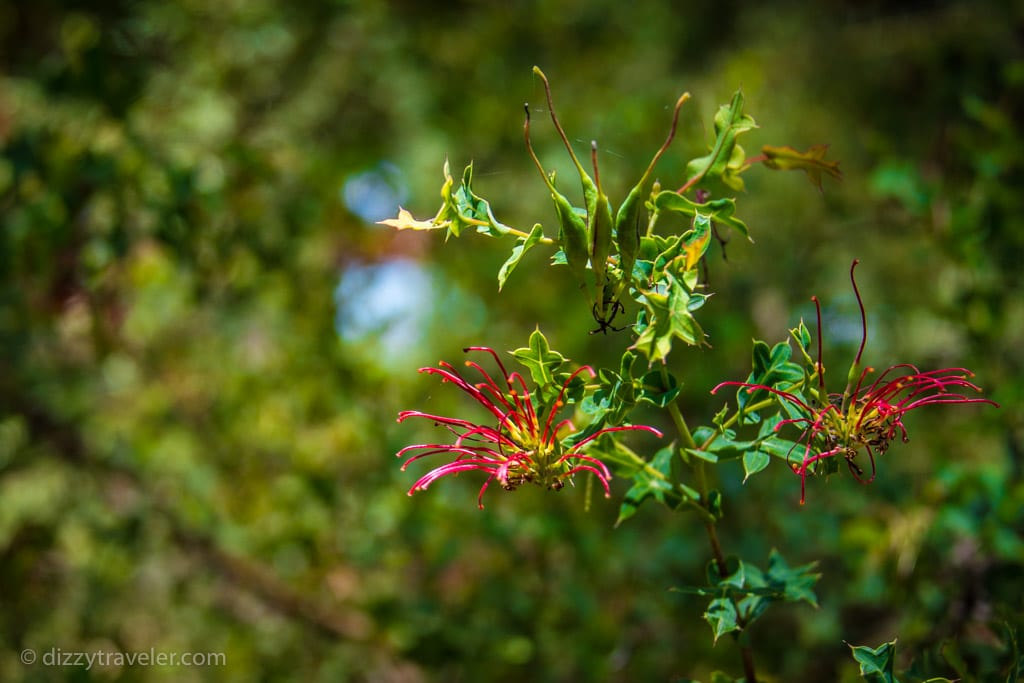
column 864, row 418
column 522, row 446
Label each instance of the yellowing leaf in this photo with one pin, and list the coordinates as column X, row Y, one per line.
column 697, row 240
column 812, row 162
column 405, row 221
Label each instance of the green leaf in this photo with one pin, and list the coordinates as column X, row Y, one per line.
column 784, row 449
column 541, row 361
column 615, row 396
column 803, row 336
column 658, row 389
column 523, row 245
column 721, row 615
column 721, row 210
column 771, row 367
column 474, row 210
column 726, row 159
column 714, row 503
column 759, row 595
column 460, row 209
column 647, row 484
column 876, row 664
column 723, row 447
column 812, row 162
column 735, row 578
column 797, row 583
column 697, row 240
column 771, row 444
column 668, row 317
column 754, row 462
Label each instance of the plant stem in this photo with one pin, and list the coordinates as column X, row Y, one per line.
column 700, row 475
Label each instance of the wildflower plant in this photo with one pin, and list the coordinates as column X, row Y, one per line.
column 638, row 265
column 523, row 442
column 864, row 418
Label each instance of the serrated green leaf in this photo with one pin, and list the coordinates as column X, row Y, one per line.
column 539, row 359
column 523, row 245
column 759, row 596
column 797, row 583
column 876, row 664
column 721, row 615
column 648, row 485
column 612, row 400
column 722, row 161
column 752, row 607
column 670, row 318
column 473, row 209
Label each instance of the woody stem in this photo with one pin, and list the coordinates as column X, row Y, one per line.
column 697, row 464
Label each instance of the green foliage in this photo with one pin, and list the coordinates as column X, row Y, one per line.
column 197, row 420
column 742, row 593
column 540, row 360
column 658, row 272
column 876, row 664
column 726, row 160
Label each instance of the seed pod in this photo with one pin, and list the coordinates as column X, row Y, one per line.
column 627, row 219
column 600, row 236
column 572, row 228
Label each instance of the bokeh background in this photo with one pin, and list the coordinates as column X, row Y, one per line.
column 204, row 338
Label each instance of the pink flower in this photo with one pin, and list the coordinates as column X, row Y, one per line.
column 522, row 445
column 864, row 418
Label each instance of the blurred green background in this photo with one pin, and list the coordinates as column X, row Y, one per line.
column 205, row 340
